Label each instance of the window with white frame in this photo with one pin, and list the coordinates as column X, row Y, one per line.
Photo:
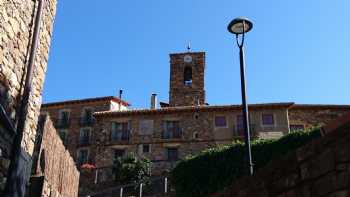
column 84, row 136
column 120, row 131
column 63, row 117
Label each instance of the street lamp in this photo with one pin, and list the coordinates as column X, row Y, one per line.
column 240, row 26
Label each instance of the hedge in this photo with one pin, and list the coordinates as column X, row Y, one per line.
column 215, row 168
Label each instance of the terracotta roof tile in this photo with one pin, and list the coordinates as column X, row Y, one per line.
column 86, row 100
column 204, row 108
column 319, row 106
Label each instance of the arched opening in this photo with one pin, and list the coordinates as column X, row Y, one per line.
column 188, row 76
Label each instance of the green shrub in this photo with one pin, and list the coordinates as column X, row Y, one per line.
column 216, row 168
column 131, row 169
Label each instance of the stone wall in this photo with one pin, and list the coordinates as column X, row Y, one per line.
column 16, row 30
column 54, row 163
column 320, row 168
column 75, row 125
column 187, row 95
column 310, row 116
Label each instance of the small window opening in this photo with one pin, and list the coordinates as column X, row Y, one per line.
column 188, row 76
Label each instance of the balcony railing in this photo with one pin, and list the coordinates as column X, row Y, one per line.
column 62, row 123
column 85, row 121
column 175, row 133
column 120, row 135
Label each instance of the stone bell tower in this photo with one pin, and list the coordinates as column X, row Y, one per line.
column 187, row 79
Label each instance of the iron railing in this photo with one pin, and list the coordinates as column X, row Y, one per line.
column 87, row 121
column 174, row 133
column 120, row 135
column 62, row 123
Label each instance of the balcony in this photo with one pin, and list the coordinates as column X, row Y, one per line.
column 87, row 121
column 62, row 123
column 120, row 136
column 175, row 133
column 84, row 141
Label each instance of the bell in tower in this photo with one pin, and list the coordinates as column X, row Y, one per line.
column 187, row 79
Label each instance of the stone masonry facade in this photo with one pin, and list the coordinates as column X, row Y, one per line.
column 187, row 79
column 77, row 127
column 185, row 126
column 320, row 168
column 16, row 31
column 53, row 165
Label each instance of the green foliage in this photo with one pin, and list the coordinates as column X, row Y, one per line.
column 216, row 168
column 131, row 169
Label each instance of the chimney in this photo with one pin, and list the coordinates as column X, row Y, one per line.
column 154, row 101
column 120, row 98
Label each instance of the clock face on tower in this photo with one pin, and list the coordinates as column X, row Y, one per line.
column 187, row 58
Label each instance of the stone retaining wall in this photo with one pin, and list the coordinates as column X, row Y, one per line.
column 320, row 168
column 55, row 164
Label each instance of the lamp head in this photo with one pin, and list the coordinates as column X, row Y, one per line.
column 237, row 24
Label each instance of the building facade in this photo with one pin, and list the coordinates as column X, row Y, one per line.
column 17, row 30
column 184, row 126
column 75, row 123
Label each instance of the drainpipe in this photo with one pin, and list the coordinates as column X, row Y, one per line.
column 16, row 183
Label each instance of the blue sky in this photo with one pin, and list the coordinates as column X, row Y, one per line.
column 297, row 51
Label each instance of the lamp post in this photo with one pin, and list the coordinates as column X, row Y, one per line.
column 240, row 26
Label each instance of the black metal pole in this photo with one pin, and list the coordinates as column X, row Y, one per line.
column 14, row 184
column 245, row 111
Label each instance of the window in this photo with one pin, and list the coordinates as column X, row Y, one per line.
column 220, row 121
column 83, row 156
column 195, row 135
column 172, row 154
column 267, row 119
column 120, row 131
column 146, row 127
column 240, row 123
column 63, row 135
column 171, row 129
column 188, row 76
column 296, row 127
column 118, row 153
column 63, row 120
column 87, row 116
column 84, row 137
column 146, row 148
column 64, row 115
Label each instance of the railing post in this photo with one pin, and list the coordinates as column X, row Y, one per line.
column 121, row 192
column 96, row 176
column 166, row 185
column 140, row 190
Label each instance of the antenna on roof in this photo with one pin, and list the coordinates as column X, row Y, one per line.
column 188, row 46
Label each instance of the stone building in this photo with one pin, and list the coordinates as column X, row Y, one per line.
column 17, row 47
column 186, row 125
column 75, row 123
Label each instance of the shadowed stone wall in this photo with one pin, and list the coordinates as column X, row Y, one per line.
column 320, row 168
column 54, row 164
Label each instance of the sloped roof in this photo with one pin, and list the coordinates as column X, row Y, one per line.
column 203, row 108
column 87, row 100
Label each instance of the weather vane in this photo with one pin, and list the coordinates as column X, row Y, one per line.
column 188, row 46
